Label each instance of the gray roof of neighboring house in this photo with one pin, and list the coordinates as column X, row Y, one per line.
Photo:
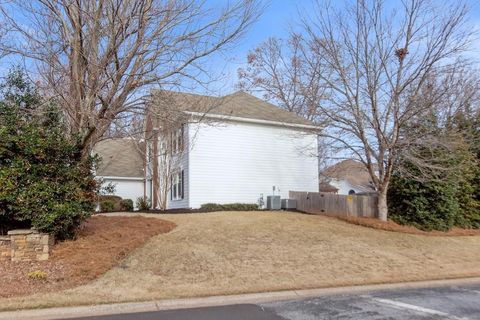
column 352, row 171
column 327, row 187
column 120, row 158
column 239, row 104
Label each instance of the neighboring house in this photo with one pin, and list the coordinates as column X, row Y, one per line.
column 347, row 177
column 235, row 148
column 122, row 164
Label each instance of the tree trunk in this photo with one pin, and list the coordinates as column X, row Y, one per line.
column 382, row 206
column 155, row 173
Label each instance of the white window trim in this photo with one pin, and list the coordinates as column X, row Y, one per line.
column 177, row 186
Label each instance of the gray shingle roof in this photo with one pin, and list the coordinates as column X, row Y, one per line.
column 120, row 158
column 239, row 104
column 327, row 187
column 350, row 170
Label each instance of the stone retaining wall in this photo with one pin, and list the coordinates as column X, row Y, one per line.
column 5, row 248
column 26, row 245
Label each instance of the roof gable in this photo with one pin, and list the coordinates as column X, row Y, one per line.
column 120, row 158
column 239, row 104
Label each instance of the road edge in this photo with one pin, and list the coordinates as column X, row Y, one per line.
column 249, row 298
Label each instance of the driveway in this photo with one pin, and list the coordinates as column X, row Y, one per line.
column 454, row 303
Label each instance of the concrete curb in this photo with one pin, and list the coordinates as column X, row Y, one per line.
column 252, row 298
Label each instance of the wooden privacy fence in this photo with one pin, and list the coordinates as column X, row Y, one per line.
column 335, row 204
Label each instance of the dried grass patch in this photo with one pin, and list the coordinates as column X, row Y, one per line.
column 101, row 244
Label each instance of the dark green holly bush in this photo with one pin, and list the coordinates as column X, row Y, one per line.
column 441, row 202
column 45, row 182
column 110, row 203
column 107, row 206
column 425, row 205
column 126, row 205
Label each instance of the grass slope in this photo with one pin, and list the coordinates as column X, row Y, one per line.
column 240, row 252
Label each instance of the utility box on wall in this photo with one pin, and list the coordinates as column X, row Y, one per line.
column 289, row 204
column 274, row 203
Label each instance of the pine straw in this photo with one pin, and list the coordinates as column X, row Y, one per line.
column 395, row 227
column 102, row 243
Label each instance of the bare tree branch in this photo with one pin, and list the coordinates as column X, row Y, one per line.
column 98, row 57
column 367, row 68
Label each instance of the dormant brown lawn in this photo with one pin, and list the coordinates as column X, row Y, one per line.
column 241, row 252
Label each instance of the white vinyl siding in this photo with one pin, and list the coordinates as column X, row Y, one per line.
column 127, row 188
column 236, row 162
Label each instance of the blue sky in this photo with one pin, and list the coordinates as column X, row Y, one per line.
column 281, row 15
column 278, row 18
column 274, row 22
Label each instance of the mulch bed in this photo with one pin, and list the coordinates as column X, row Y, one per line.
column 101, row 244
column 158, row 211
column 395, row 227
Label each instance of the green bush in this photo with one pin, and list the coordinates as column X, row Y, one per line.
column 229, row 207
column 447, row 192
column 211, row 207
column 107, row 206
column 427, row 205
column 126, row 205
column 143, row 204
column 240, row 207
column 115, row 200
column 436, row 204
column 45, row 182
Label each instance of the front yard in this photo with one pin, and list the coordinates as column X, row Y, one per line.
column 240, row 252
column 102, row 243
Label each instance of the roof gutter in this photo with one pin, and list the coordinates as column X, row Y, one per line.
column 250, row 120
column 122, row 178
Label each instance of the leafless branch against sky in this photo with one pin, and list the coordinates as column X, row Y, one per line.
column 98, row 58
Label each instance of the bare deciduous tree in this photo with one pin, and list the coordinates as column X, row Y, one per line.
column 98, row 58
column 380, row 63
column 433, row 141
column 376, row 62
column 166, row 145
column 127, row 125
column 287, row 73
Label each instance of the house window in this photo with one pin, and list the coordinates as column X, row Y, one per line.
column 177, row 189
column 351, row 192
column 177, row 140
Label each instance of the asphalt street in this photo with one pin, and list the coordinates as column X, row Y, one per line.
column 453, row 302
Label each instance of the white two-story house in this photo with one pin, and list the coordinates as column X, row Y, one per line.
column 232, row 149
